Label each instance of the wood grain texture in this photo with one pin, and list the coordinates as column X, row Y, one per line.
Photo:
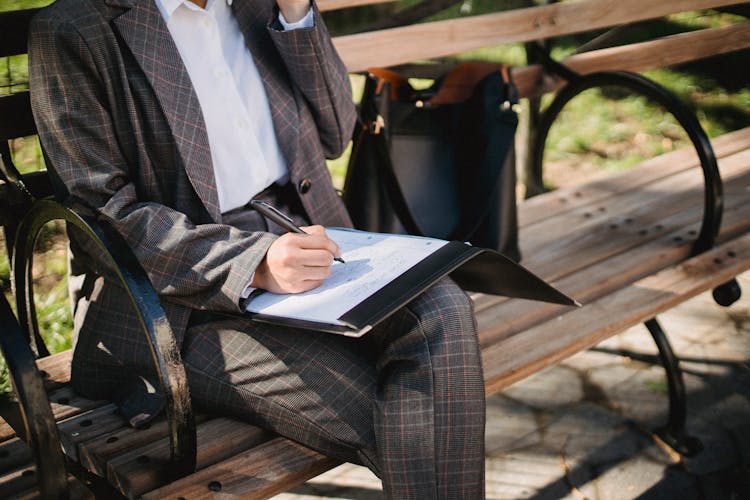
column 623, row 256
column 87, row 426
column 14, row 453
column 94, row 454
column 64, row 403
column 606, row 185
column 416, row 42
column 57, row 369
column 540, row 347
column 512, row 317
column 659, row 53
column 595, row 194
column 261, row 472
column 143, row 469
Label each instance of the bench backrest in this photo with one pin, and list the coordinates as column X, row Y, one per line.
column 394, row 46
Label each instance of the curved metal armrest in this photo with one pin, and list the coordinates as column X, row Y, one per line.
column 164, row 349
column 713, row 191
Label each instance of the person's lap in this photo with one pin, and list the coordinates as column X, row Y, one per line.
column 313, row 387
column 321, row 389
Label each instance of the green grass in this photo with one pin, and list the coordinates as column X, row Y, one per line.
column 54, row 315
column 657, row 386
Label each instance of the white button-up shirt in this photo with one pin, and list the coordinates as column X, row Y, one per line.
column 244, row 150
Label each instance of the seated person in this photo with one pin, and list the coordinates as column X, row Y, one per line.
column 165, row 118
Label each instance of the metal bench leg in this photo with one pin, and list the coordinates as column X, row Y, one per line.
column 674, row 433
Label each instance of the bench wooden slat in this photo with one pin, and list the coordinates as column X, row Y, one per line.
column 218, row 439
column 520, row 355
column 14, row 453
column 629, row 211
column 56, row 369
column 659, row 53
column 553, row 266
column 605, row 185
column 64, row 402
column 509, row 317
column 261, row 472
column 95, row 453
column 19, row 483
column 412, row 43
column 564, row 244
column 683, row 225
column 87, row 426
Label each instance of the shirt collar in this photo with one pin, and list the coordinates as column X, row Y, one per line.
column 167, row 7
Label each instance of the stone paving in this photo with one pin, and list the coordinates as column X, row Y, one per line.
column 582, row 429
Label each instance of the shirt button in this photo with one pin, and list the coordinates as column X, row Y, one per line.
column 230, row 2
column 305, row 185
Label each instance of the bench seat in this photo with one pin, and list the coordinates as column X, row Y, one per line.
column 619, row 244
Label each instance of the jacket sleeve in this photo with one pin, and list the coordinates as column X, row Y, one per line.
column 202, row 266
column 318, row 72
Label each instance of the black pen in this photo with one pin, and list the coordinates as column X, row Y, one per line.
column 275, row 215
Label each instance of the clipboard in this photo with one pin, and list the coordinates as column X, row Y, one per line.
column 472, row 268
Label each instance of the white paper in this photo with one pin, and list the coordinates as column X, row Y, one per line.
column 372, row 261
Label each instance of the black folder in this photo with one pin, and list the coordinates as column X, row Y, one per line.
column 473, row 268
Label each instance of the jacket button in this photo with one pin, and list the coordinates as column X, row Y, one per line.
column 305, row 185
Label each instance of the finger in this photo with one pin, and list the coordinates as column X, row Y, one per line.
column 316, row 258
column 316, row 229
column 319, row 241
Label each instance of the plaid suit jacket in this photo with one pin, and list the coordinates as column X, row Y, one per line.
column 125, row 138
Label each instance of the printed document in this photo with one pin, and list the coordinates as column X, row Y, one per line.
column 372, row 261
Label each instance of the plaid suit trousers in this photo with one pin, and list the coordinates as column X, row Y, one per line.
column 406, row 400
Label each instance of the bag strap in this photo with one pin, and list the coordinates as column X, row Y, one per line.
column 374, row 125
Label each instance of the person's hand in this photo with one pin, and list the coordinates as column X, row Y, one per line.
column 297, row 263
column 293, row 10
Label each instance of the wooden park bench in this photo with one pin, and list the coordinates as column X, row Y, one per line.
column 627, row 246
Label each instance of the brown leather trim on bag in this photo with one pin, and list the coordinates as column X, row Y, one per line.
column 458, row 85
column 400, row 88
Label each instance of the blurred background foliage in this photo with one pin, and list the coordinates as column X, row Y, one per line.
column 600, row 130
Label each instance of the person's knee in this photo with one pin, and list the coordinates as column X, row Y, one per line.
column 446, row 307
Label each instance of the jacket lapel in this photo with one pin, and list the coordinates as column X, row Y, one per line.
column 253, row 17
column 144, row 30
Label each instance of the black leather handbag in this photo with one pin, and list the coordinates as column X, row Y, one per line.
column 437, row 162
